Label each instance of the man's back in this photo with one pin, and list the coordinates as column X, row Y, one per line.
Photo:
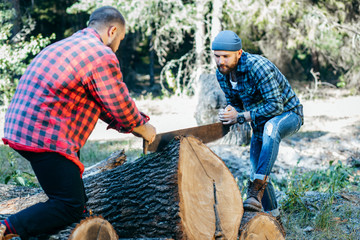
column 63, row 92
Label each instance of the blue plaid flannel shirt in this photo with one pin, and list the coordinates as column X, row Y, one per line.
column 261, row 89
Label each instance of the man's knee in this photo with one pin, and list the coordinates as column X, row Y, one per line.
column 271, row 130
column 74, row 208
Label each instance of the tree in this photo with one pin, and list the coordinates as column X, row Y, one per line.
column 322, row 35
column 163, row 23
column 310, row 35
column 16, row 49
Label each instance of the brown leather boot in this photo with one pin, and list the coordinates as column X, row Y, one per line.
column 255, row 193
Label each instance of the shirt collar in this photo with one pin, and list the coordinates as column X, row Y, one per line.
column 242, row 66
column 93, row 32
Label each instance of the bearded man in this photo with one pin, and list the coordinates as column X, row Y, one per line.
column 258, row 93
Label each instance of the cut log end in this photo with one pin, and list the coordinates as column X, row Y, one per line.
column 210, row 201
column 94, row 228
column 258, row 226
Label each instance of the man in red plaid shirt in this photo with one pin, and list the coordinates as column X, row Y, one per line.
column 64, row 91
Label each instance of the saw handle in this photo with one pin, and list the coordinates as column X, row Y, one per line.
column 145, row 146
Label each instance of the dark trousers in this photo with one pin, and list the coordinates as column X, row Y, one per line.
column 61, row 181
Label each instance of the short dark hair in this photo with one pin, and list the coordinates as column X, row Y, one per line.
column 105, row 16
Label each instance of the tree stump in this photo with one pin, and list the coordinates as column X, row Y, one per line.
column 211, row 100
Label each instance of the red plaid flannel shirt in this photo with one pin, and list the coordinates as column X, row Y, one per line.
column 63, row 92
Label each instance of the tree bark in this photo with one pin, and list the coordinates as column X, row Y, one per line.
column 211, row 100
column 16, row 18
column 151, row 63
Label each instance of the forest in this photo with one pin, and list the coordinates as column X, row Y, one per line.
column 165, row 55
column 167, row 46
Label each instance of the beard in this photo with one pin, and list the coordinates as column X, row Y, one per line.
column 226, row 69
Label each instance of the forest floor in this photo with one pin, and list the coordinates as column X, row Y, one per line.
column 331, row 133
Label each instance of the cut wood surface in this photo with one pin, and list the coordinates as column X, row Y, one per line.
column 94, row 228
column 260, row 226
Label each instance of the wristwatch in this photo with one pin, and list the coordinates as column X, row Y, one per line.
column 240, row 118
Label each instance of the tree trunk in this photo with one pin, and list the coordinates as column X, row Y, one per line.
column 216, row 22
column 199, row 44
column 16, row 20
column 183, row 192
column 151, row 57
column 216, row 17
column 211, row 100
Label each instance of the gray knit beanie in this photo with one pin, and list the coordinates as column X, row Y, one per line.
column 226, row 41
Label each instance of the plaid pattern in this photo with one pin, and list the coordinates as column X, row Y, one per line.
column 63, row 92
column 261, row 89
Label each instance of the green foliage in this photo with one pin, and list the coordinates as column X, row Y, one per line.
column 15, row 51
column 165, row 23
column 14, row 169
column 326, row 33
column 16, row 176
column 341, row 83
column 320, row 35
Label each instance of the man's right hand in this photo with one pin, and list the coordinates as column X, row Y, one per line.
column 146, row 131
column 228, row 115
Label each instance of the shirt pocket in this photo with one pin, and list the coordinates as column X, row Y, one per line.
column 246, row 90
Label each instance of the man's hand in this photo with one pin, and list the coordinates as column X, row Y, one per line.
column 228, row 115
column 146, row 131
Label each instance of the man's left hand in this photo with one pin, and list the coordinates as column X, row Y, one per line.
column 228, row 115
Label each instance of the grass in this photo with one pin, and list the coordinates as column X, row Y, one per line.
column 14, row 169
column 95, row 151
column 313, row 207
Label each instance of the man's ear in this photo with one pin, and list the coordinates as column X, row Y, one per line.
column 112, row 30
column 239, row 53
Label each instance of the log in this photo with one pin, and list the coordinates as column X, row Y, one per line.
column 259, row 225
column 211, row 100
column 183, row 192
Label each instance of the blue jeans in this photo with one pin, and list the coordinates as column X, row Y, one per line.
column 264, row 149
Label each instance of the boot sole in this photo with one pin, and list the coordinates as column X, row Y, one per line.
column 251, row 208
